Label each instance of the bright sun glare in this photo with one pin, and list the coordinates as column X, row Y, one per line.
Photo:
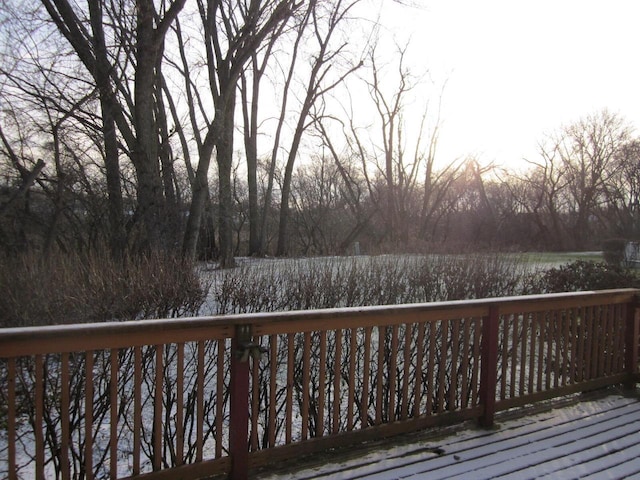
column 516, row 71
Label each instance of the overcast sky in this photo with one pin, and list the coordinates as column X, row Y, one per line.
column 516, row 70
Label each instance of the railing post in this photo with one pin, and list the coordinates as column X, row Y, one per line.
column 632, row 343
column 239, row 405
column 489, row 366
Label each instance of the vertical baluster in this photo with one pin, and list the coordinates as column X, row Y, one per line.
column 289, row 404
column 584, row 346
column 581, row 362
column 113, row 414
column 137, row 407
column 557, row 322
column 610, row 339
column 322, row 378
column 514, row 355
column 11, row 418
column 64, row 416
column 566, row 342
column 475, row 374
column 602, row 333
column 433, row 329
column 455, row 349
column 595, row 337
column 621, row 333
column 407, row 373
column 306, row 366
column 364, row 403
column 379, row 375
column 442, row 367
column 337, row 368
column 597, row 342
column 541, row 344
column 464, row 391
column 273, row 377
column 588, row 350
column 604, row 340
column 393, row 374
column 352, row 377
column 180, row 404
column 533, row 333
column 616, row 332
column 200, row 401
column 573, row 332
column 417, row 393
column 549, row 339
column 157, row 410
column 524, row 340
column 38, row 421
column 255, row 401
column 88, row 415
column 505, row 357
column 220, row 371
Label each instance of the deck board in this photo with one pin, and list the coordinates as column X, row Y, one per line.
column 597, row 438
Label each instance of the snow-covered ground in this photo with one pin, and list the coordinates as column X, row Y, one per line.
column 598, row 438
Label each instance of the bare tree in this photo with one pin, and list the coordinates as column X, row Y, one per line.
column 623, row 191
column 50, row 108
column 232, row 32
column 402, row 153
column 324, row 18
column 573, row 177
column 131, row 46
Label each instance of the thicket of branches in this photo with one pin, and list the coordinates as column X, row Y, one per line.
column 85, row 288
column 221, row 128
column 361, row 281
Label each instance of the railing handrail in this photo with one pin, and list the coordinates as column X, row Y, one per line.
column 20, row 341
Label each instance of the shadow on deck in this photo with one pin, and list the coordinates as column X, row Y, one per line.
column 595, row 435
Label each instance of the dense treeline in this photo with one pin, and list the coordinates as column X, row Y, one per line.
column 218, row 128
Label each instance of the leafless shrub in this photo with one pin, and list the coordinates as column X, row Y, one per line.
column 359, row 281
column 82, row 288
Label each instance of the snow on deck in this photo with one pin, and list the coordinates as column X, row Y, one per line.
column 593, row 439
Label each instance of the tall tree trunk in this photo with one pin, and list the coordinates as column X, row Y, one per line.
column 223, row 125
column 145, row 155
column 118, row 235
column 199, row 199
column 250, row 113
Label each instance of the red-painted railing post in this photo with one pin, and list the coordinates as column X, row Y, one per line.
column 489, row 366
column 239, row 404
column 632, row 343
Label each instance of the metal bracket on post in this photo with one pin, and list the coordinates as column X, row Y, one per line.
column 246, row 346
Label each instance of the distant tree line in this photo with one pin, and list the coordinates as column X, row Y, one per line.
column 218, row 128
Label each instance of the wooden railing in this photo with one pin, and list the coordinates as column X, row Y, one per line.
column 189, row 398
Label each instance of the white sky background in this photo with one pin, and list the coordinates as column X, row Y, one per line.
column 516, row 70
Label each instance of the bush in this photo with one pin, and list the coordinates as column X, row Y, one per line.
column 583, row 275
column 82, row 288
column 359, row 281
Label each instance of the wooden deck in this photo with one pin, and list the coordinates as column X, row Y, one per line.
column 592, row 438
